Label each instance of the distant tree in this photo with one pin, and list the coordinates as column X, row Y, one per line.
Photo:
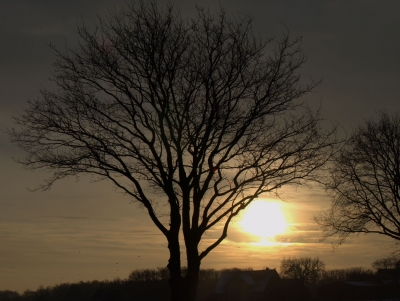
column 391, row 262
column 355, row 273
column 358, row 273
column 107, row 295
column 8, row 295
column 159, row 274
column 305, row 269
column 328, row 276
column 365, row 182
column 192, row 118
column 209, row 274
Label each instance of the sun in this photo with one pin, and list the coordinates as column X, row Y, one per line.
column 264, row 219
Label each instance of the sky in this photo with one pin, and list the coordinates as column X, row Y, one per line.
column 82, row 231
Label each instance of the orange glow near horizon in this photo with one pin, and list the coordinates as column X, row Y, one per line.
column 265, row 220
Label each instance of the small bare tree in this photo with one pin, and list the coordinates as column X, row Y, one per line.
column 305, row 269
column 199, row 115
column 390, row 262
column 365, row 182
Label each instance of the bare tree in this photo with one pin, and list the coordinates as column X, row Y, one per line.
column 365, row 181
column 305, row 269
column 194, row 117
column 390, row 262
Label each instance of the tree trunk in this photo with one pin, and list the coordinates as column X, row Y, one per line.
column 174, row 267
column 175, row 285
column 183, row 288
column 190, row 284
column 192, row 277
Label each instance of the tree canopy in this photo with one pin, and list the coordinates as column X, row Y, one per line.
column 192, row 118
column 305, row 269
column 390, row 262
column 365, row 181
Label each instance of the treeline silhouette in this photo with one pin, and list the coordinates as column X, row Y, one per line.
column 142, row 284
column 349, row 274
column 147, row 284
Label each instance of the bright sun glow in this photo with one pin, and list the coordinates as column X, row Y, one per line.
column 264, row 219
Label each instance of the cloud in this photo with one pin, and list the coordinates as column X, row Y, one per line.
column 67, row 217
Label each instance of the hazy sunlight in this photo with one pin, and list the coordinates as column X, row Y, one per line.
column 264, row 219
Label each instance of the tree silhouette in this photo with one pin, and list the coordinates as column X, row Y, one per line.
column 365, row 181
column 390, row 262
column 194, row 119
column 305, row 269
